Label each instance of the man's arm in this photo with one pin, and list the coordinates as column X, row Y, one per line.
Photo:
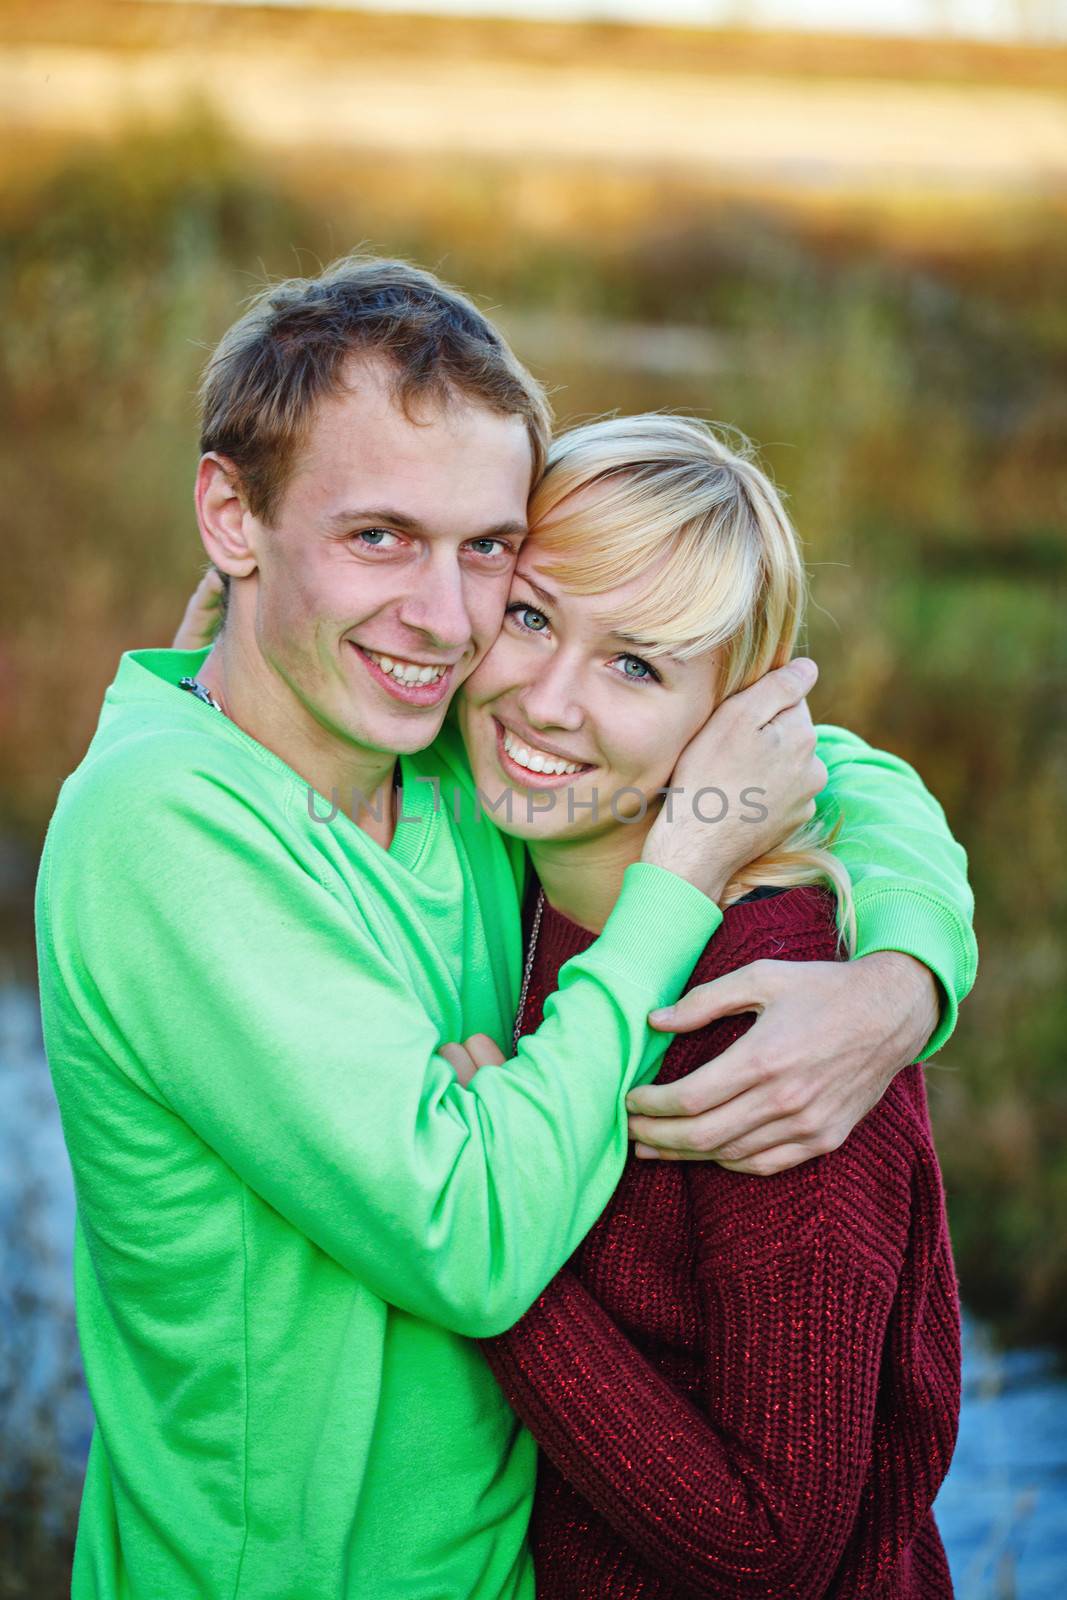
column 190, row 953
column 909, row 874
column 830, row 1039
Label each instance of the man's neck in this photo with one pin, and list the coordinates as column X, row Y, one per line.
column 582, row 879
column 265, row 708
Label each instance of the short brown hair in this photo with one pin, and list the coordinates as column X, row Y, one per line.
column 267, row 374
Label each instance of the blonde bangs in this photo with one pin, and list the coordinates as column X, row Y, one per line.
column 666, row 499
column 699, row 594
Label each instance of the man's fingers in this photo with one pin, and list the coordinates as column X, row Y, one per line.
column 796, row 720
column 764, row 1165
column 747, row 1110
column 795, row 1130
column 733, row 993
column 769, row 1162
column 779, row 690
column 704, row 1091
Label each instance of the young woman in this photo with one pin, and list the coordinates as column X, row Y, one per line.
column 741, row 1386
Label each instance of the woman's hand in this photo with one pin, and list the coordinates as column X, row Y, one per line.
column 744, row 783
column 477, row 1051
column 203, row 614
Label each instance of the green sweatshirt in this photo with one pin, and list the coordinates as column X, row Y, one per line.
column 292, row 1219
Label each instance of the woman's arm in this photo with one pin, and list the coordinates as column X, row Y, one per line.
column 753, row 1491
column 756, row 1494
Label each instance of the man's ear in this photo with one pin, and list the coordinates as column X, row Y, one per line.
column 226, row 526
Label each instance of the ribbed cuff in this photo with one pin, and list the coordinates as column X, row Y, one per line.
column 657, row 930
column 894, row 914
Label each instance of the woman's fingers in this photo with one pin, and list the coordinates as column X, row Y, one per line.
column 466, row 1058
column 460, row 1060
column 201, row 619
column 483, row 1051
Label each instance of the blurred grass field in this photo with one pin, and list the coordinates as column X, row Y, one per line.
column 902, row 360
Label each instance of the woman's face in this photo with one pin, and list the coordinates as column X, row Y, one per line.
column 559, row 690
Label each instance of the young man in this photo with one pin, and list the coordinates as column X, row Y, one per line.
column 292, row 1217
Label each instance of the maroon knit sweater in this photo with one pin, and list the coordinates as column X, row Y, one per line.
column 746, row 1386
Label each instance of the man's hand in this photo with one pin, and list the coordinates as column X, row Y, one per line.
column 828, row 1039
column 761, row 740
column 477, row 1051
column 202, row 614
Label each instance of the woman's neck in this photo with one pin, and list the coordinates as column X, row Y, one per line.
column 582, row 877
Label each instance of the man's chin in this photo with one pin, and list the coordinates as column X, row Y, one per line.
column 402, row 735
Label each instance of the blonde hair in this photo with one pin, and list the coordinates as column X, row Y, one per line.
column 676, row 501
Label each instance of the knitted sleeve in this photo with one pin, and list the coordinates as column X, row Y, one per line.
column 752, row 1487
column 757, row 1493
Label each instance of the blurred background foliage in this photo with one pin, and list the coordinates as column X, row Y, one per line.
column 903, row 367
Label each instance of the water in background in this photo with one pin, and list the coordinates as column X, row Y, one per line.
column 1002, row 1510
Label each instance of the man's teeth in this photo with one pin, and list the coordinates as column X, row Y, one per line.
column 536, row 760
column 407, row 671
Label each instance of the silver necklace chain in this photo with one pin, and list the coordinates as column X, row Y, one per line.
column 194, row 686
column 528, row 969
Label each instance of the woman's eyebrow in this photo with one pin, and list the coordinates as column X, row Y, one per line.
column 623, row 638
column 542, row 594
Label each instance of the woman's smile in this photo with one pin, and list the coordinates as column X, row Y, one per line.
column 539, row 766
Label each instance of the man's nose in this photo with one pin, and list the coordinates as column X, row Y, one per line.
column 551, row 699
column 435, row 605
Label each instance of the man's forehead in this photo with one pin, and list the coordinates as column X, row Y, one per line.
column 367, row 418
column 370, row 390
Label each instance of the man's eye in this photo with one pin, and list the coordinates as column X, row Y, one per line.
column 376, row 538
column 636, row 670
column 489, row 547
column 523, row 615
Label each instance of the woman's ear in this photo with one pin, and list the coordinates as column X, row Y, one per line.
column 227, row 527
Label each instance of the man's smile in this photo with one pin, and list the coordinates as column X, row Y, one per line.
column 413, row 682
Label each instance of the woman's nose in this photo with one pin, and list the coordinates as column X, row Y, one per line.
column 551, row 700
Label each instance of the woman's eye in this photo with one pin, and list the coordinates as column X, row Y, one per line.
column 636, row 670
column 376, row 538
column 528, row 618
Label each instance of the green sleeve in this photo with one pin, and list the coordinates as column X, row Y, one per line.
column 909, row 873
column 234, row 988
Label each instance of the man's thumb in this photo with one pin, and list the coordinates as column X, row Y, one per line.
column 721, row 997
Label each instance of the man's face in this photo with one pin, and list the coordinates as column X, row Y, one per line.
column 382, row 578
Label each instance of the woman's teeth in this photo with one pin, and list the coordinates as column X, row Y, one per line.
column 536, row 760
column 406, row 671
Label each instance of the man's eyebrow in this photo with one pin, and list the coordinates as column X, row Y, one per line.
column 342, row 520
column 549, row 599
